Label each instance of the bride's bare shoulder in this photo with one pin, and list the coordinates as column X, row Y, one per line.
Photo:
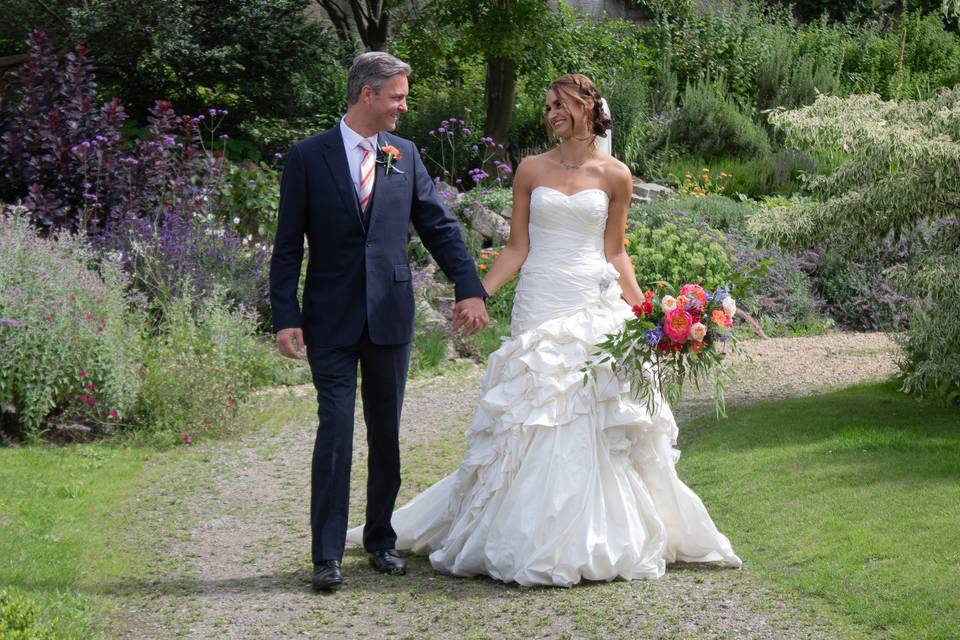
column 532, row 166
column 616, row 174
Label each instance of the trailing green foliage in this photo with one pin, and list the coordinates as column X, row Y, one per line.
column 903, row 170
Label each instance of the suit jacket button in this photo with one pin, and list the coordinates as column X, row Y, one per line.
column 368, row 243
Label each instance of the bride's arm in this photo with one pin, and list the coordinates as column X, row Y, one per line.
column 515, row 252
column 613, row 245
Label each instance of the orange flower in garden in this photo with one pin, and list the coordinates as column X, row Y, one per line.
column 482, row 267
column 682, row 301
column 718, row 317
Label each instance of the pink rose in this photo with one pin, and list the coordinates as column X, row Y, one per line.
column 676, row 324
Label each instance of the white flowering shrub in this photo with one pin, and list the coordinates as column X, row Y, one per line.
column 901, row 168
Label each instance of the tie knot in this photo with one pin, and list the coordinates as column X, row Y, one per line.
column 366, row 145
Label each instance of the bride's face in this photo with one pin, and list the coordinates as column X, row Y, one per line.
column 566, row 116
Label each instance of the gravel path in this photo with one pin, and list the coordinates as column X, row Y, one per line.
column 232, row 530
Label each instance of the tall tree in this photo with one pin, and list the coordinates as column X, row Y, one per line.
column 512, row 36
column 370, row 19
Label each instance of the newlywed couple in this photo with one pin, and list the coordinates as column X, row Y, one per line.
column 561, row 481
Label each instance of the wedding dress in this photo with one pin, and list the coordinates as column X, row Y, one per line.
column 562, row 480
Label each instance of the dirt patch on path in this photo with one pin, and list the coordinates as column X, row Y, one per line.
column 240, row 534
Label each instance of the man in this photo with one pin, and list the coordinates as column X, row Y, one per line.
column 353, row 191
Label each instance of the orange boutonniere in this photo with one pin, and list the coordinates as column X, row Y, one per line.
column 389, row 154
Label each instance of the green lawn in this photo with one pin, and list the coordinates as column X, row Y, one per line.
column 59, row 523
column 851, row 497
column 847, row 500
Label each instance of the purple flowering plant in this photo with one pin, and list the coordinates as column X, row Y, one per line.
column 166, row 204
column 464, row 158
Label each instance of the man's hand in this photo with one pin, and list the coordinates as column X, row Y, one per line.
column 470, row 315
column 290, row 342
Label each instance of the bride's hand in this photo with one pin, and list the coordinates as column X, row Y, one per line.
column 470, row 315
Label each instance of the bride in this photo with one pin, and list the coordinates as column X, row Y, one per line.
column 563, row 481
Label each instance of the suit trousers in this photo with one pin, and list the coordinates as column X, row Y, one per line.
column 383, row 370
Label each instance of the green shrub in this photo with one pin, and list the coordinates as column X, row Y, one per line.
column 774, row 288
column 711, row 124
column 679, row 255
column 249, row 200
column 716, row 212
column 931, row 347
column 18, row 619
column 70, row 347
column 199, row 364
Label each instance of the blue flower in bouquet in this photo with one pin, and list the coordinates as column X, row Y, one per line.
column 653, row 336
column 720, row 294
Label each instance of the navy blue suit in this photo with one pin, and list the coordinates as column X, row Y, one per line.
column 358, row 308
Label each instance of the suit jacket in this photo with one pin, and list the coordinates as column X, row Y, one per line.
column 358, row 271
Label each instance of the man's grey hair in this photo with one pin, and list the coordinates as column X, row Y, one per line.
column 372, row 68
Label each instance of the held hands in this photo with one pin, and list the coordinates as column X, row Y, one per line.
column 470, row 315
column 290, row 342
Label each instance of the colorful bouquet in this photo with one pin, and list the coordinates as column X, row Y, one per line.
column 672, row 339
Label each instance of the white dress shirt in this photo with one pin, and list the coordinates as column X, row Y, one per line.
column 351, row 142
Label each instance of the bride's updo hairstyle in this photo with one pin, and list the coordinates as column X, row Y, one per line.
column 580, row 89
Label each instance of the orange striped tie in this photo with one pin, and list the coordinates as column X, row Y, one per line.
column 367, row 166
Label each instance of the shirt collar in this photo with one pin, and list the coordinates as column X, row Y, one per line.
column 351, row 138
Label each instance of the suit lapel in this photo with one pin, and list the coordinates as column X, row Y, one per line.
column 336, row 159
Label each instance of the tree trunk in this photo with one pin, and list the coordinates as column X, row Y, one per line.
column 372, row 18
column 339, row 19
column 501, row 87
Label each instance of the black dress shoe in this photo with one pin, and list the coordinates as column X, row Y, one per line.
column 388, row 561
column 326, row 575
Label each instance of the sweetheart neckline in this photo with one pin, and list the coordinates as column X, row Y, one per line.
column 571, row 195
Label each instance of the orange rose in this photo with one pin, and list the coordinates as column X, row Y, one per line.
column 718, row 317
column 390, row 150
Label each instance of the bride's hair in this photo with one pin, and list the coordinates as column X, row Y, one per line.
column 580, row 88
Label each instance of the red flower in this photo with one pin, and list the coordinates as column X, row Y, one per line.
column 89, row 316
column 88, row 400
column 637, row 310
column 113, row 415
column 648, row 294
column 73, row 297
column 647, row 307
column 89, row 386
column 83, row 374
column 230, row 403
column 186, row 439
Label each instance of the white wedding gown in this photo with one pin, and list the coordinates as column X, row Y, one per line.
column 562, row 481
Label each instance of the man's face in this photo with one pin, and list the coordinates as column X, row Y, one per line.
column 384, row 107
